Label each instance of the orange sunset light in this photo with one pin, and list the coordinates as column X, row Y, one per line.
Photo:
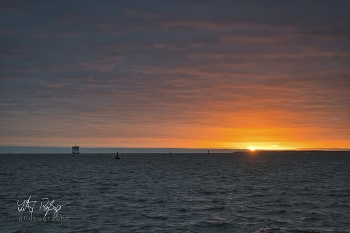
column 204, row 79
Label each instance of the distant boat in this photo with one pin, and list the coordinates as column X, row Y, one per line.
column 117, row 156
column 75, row 150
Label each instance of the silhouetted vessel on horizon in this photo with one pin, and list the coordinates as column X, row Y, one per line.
column 75, row 150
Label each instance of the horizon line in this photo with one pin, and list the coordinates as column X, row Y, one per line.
column 85, row 150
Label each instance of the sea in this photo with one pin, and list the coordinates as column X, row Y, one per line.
column 185, row 192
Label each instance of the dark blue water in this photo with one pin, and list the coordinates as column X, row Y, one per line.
column 238, row 192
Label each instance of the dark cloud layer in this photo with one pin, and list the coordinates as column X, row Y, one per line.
column 140, row 73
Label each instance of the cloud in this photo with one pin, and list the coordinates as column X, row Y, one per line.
column 173, row 70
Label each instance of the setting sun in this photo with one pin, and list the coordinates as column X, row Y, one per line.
column 228, row 86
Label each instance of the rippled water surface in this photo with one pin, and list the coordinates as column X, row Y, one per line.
column 237, row 192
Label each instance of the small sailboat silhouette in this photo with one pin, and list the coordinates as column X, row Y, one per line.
column 75, row 150
column 117, row 156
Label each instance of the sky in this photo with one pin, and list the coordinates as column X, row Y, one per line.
column 175, row 74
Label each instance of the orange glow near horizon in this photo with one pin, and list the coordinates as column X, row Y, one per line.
column 208, row 126
column 220, row 138
column 262, row 130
